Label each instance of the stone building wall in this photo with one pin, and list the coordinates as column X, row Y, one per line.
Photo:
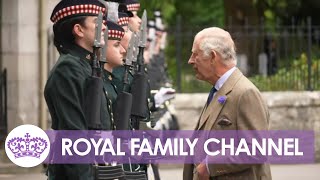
column 20, row 55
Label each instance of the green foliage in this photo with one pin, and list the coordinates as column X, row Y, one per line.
column 166, row 7
column 190, row 84
column 284, row 11
column 294, row 78
column 201, row 13
column 194, row 14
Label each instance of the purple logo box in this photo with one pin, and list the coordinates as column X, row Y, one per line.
column 178, row 147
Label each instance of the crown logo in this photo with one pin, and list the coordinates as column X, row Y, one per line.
column 23, row 147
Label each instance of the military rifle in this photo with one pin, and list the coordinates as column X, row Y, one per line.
column 94, row 84
column 139, row 88
column 123, row 104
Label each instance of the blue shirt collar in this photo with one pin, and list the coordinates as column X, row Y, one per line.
column 224, row 78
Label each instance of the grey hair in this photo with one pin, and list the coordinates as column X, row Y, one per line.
column 220, row 42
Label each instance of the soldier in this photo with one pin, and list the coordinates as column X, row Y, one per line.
column 65, row 91
column 124, row 16
column 157, row 66
column 115, row 54
column 164, row 116
column 123, row 21
column 130, row 21
column 134, row 25
column 134, row 21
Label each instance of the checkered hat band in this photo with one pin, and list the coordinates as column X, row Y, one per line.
column 133, row 7
column 77, row 9
column 123, row 21
column 115, row 34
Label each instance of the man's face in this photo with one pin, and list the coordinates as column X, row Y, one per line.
column 115, row 53
column 202, row 65
column 135, row 22
column 89, row 31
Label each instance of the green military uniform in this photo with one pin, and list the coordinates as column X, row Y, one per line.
column 118, row 77
column 65, row 90
column 110, row 89
column 64, row 93
column 111, row 84
column 157, row 71
column 118, row 74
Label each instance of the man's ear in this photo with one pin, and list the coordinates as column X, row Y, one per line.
column 213, row 55
column 77, row 30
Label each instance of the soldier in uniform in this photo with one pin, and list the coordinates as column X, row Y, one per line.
column 134, row 25
column 157, row 65
column 74, row 32
column 115, row 54
column 134, row 21
column 118, row 72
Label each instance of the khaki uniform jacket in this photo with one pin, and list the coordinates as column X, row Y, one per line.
column 246, row 110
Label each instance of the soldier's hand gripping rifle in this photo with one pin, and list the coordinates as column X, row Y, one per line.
column 94, row 85
column 139, row 88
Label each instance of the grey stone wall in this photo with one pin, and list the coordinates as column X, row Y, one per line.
column 288, row 111
column 20, row 55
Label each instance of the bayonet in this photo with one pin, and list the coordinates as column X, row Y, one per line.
column 142, row 42
column 113, row 11
column 97, row 38
column 135, row 47
column 129, row 56
column 143, row 30
column 103, row 57
column 96, row 71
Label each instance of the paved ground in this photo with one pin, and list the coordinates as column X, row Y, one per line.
column 279, row 172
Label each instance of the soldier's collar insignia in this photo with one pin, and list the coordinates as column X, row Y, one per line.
column 110, row 77
column 88, row 56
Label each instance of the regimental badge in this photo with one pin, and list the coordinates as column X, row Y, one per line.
column 88, row 56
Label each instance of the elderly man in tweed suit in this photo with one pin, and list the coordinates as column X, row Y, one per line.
column 214, row 61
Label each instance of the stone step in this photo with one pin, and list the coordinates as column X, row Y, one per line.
column 7, row 167
column 10, row 168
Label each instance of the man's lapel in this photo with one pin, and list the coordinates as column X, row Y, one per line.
column 214, row 108
column 200, row 117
